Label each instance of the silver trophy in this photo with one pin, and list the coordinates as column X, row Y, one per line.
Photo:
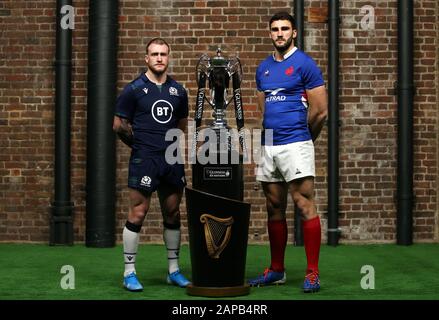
column 213, row 77
column 217, row 217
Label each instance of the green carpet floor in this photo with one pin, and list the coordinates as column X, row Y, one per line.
column 33, row 272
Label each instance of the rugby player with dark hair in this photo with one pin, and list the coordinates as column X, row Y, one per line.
column 292, row 97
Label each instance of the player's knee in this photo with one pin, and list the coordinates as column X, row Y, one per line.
column 275, row 204
column 138, row 212
column 304, row 203
column 137, row 218
column 297, row 198
column 172, row 218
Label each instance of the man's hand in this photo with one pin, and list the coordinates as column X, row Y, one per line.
column 123, row 129
column 182, row 124
column 317, row 110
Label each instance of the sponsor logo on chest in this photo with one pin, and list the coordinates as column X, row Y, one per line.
column 275, row 98
column 162, row 111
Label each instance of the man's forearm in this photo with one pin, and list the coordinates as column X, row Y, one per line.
column 316, row 122
column 316, row 127
column 317, row 110
column 127, row 139
column 125, row 133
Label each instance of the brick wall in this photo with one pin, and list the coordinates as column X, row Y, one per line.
column 368, row 110
column 436, row 232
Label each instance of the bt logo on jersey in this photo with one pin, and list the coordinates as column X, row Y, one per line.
column 162, row 111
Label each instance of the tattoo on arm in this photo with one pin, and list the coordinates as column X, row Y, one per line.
column 125, row 132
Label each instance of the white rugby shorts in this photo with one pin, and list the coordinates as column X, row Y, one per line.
column 286, row 162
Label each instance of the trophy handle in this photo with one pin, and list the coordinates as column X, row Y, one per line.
column 201, row 81
column 235, row 70
column 239, row 114
column 235, row 67
column 203, row 67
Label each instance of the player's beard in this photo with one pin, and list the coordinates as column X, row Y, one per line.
column 156, row 72
column 283, row 48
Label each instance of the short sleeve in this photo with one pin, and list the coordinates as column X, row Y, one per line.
column 126, row 103
column 311, row 74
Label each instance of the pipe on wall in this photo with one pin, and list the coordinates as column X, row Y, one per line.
column 62, row 208
column 333, row 123
column 299, row 42
column 405, row 90
column 101, row 146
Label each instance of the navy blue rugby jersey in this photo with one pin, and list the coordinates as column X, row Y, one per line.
column 151, row 111
column 286, row 104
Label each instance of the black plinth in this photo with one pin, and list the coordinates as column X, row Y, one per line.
column 218, row 251
column 225, row 180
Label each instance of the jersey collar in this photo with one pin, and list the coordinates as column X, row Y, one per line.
column 287, row 55
column 146, row 79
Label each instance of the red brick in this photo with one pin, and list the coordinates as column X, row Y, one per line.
column 368, row 107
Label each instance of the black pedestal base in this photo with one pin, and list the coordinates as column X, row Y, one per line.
column 218, row 260
column 218, row 291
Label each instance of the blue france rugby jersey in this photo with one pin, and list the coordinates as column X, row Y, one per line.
column 286, row 105
column 151, row 111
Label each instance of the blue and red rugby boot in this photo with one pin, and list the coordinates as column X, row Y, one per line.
column 269, row 277
column 311, row 282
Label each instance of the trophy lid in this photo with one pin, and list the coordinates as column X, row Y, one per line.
column 219, row 60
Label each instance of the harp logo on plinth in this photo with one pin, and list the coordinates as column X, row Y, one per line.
column 217, row 232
